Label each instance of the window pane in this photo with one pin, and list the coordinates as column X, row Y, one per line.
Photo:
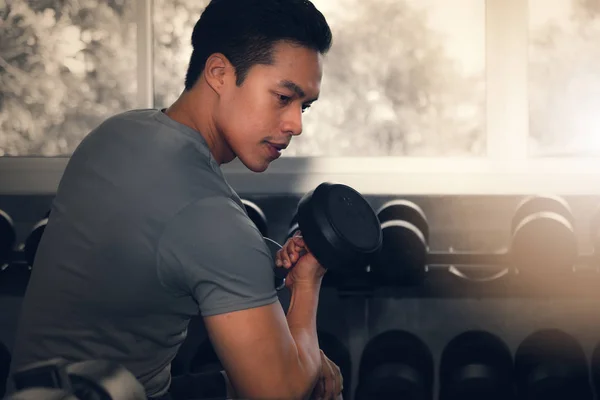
column 65, row 65
column 403, row 78
column 564, row 77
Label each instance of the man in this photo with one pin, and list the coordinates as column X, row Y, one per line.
column 145, row 231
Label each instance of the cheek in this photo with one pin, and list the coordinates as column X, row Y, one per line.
column 252, row 116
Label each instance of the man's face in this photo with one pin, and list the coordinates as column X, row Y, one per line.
column 266, row 110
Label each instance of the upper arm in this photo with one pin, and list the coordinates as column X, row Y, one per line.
column 214, row 252
column 257, row 351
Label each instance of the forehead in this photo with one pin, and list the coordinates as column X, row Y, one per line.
column 297, row 64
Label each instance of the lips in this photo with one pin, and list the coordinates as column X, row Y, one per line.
column 279, row 146
column 274, row 152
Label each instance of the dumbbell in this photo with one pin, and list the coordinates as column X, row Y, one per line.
column 257, row 216
column 335, row 350
column 5, row 359
column 86, row 380
column 8, row 237
column 395, row 365
column 543, row 237
column 33, row 241
column 551, row 365
column 403, row 256
column 340, row 227
column 476, row 365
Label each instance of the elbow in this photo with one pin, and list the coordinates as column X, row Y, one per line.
column 301, row 386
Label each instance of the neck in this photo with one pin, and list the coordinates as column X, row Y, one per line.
column 194, row 111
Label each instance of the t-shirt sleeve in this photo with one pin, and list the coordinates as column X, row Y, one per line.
column 212, row 251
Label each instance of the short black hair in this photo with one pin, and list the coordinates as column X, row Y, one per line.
column 246, row 30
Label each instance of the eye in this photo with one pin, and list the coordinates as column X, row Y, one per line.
column 305, row 107
column 284, row 100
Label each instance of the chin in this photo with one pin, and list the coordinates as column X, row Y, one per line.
column 256, row 165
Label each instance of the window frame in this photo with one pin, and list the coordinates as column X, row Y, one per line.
column 506, row 169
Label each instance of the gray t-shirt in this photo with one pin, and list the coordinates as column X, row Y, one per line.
column 144, row 233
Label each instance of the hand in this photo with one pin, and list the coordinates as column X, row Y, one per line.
column 331, row 383
column 303, row 268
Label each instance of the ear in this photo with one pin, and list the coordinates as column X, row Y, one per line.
column 217, row 71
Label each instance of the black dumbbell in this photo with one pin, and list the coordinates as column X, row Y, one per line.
column 335, row 350
column 257, row 216
column 551, row 365
column 8, row 236
column 5, row 359
column 395, row 365
column 33, row 241
column 476, row 365
column 403, row 256
column 340, row 227
column 543, row 237
column 42, row 394
column 595, row 368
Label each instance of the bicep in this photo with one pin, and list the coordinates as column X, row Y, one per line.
column 213, row 252
column 256, row 349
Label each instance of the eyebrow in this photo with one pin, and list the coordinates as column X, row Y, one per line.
column 296, row 89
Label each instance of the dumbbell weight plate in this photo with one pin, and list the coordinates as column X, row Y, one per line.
column 395, row 364
column 106, row 380
column 544, row 241
column 8, row 235
column 393, row 381
column 538, row 203
column 339, row 227
column 405, row 210
column 403, row 256
column 551, row 363
column 257, row 216
column 474, row 365
column 33, row 240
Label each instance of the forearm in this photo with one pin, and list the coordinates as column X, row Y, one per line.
column 302, row 321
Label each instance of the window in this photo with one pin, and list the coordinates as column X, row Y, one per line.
column 564, row 77
column 418, row 97
column 65, row 65
column 412, row 84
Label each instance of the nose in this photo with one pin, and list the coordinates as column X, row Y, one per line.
column 292, row 121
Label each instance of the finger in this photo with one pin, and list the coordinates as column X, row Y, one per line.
column 339, row 381
column 330, row 379
column 294, row 253
column 284, row 256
